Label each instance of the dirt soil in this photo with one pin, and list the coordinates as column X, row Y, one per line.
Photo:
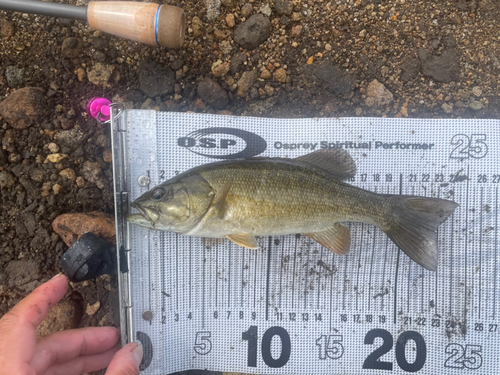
column 296, row 58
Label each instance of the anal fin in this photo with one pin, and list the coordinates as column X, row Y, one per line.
column 336, row 238
column 244, row 239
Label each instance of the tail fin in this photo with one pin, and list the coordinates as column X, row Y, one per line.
column 414, row 224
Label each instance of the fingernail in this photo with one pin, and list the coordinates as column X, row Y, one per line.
column 137, row 352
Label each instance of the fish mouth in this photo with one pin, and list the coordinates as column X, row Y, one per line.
column 150, row 214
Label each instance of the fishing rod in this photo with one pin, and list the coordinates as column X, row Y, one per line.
column 150, row 23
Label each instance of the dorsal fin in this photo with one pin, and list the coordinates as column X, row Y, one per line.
column 337, row 162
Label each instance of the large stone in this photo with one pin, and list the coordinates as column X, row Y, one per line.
column 330, row 78
column 63, row 316
column 70, row 227
column 211, row 93
column 377, row 95
column 24, row 107
column 71, row 48
column 156, row 79
column 253, row 32
column 444, row 68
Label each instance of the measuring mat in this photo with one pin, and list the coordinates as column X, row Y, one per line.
column 293, row 306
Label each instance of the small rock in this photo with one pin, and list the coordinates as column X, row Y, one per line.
column 14, row 76
column 103, row 75
column 70, row 138
column 71, row 48
column 296, row 30
column 444, row 68
column 197, row 27
column 23, row 107
column 150, row 104
column 53, row 148
column 80, row 182
column 265, row 74
column 253, row 32
column 269, row 90
column 378, row 95
column 362, row 34
column 283, row 7
column 237, row 62
column 221, row 70
column 37, row 175
column 447, row 108
column 68, row 174
column 331, row 79
column 155, row 79
column 55, row 158
column 476, row 90
column 246, row 10
column 280, row 75
column 198, row 104
column 266, row 10
column 107, row 156
column 80, row 74
column 219, row 34
column 230, row 20
column 211, row 93
column 61, row 317
column 296, row 16
column 46, row 188
column 409, row 70
column 328, row 47
column 459, row 104
column 71, row 226
column 225, row 47
column 92, row 309
column 7, row 29
column 246, row 82
column 91, row 171
column 227, row 3
column 57, row 189
column 476, row 105
column 7, row 179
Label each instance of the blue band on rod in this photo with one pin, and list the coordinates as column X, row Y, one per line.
column 156, row 24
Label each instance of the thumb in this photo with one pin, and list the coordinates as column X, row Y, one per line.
column 126, row 361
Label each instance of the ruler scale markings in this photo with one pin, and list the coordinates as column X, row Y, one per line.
column 204, row 261
column 371, row 269
column 436, row 272
column 293, row 273
column 346, row 261
column 176, row 268
column 307, row 273
column 242, row 275
column 397, row 262
column 331, row 290
column 190, row 270
column 150, row 282
column 480, row 248
column 268, row 274
column 319, row 273
column 452, row 218
column 382, row 290
column 496, row 254
column 216, row 274
column 360, row 251
column 230, row 244
column 410, row 269
column 466, row 243
column 254, row 277
column 281, row 268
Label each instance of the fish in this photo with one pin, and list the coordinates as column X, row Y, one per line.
column 242, row 199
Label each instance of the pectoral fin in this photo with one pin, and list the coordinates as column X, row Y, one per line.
column 245, row 240
column 336, row 238
column 220, row 204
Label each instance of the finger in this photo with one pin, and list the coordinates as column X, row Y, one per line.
column 17, row 327
column 126, row 361
column 65, row 346
column 83, row 364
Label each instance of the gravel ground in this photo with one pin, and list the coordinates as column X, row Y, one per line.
column 287, row 58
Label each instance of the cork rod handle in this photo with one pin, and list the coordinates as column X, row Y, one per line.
column 149, row 23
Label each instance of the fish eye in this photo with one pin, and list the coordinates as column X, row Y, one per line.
column 158, row 194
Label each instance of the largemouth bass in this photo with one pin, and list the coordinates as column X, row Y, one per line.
column 242, row 199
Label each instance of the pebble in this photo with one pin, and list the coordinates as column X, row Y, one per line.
column 7, row 29
column 269, row 90
column 197, row 27
column 283, row 7
column 71, row 226
column 266, row 9
column 80, row 182
column 107, row 156
column 378, row 95
column 225, row 47
column 280, row 75
column 444, row 68
column 246, row 82
column 475, row 105
column 476, row 90
column 80, row 74
column 91, row 310
column 103, row 75
column 237, row 62
column 246, row 10
column 37, row 175
column 230, row 20
column 265, row 74
column 328, row 47
column 55, row 158
column 7, row 179
column 91, row 171
column 68, row 174
column 23, row 107
column 296, row 30
column 296, row 16
column 212, row 94
column 57, row 189
column 53, row 148
column 155, row 79
column 253, row 32
column 447, row 108
column 362, row 34
column 14, row 76
column 221, row 70
column 459, row 104
column 331, row 78
column 198, row 104
column 72, row 48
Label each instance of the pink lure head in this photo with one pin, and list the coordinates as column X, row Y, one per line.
column 98, row 108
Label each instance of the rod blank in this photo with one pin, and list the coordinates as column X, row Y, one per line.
column 45, row 9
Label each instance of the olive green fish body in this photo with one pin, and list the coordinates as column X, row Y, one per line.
column 242, row 199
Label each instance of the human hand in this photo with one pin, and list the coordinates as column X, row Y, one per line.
column 69, row 352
